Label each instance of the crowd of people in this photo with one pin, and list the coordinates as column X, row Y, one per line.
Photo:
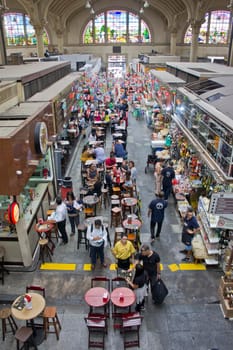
column 101, row 169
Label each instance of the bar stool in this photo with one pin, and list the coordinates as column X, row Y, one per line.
column 2, row 264
column 115, row 216
column 82, row 236
column 88, row 212
column 115, row 196
column 115, row 203
column 44, row 249
column 118, row 232
column 24, row 335
column 5, row 316
column 116, row 191
column 51, row 319
column 104, row 197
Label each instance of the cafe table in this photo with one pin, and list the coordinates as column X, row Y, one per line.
column 129, row 202
column 91, row 201
column 122, row 299
column 97, row 297
column 132, row 229
column 44, row 230
column 38, row 305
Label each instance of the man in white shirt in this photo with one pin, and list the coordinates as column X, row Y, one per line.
column 60, row 217
column 97, row 236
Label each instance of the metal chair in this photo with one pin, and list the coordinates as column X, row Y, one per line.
column 38, row 321
column 97, row 329
column 131, row 325
column 100, row 280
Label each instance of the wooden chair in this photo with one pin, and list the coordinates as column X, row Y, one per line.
column 82, row 236
column 88, row 212
column 51, row 319
column 97, row 329
column 44, row 249
column 131, row 325
column 24, row 335
column 6, row 317
column 38, row 321
column 115, row 216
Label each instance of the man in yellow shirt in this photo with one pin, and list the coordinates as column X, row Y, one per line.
column 123, row 251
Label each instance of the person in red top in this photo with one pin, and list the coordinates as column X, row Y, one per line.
column 111, row 161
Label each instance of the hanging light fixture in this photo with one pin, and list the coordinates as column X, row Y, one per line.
column 88, row 5
column 146, row 4
column 92, row 11
column 141, row 10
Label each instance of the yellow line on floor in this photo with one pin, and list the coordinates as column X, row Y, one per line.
column 188, row 266
column 58, row 266
column 173, row 267
column 87, row 267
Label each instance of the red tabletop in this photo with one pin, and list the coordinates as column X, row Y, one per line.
column 95, row 297
column 123, row 297
column 136, row 224
column 46, row 226
column 129, row 201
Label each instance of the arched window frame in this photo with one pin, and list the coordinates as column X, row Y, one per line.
column 98, row 29
column 207, row 33
column 23, row 33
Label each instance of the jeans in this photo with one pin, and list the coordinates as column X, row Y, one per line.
column 167, row 191
column 61, row 225
column 97, row 252
column 152, row 228
column 74, row 221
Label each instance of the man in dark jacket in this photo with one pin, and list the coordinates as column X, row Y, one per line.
column 168, row 175
column 156, row 212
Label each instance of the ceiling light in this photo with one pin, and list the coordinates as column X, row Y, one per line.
column 88, row 5
column 92, row 11
column 146, row 4
column 141, row 10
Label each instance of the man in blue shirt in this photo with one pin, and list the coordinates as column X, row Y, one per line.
column 190, row 228
column 119, row 150
column 156, row 212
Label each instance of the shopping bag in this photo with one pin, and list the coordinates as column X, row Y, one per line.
column 159, row 291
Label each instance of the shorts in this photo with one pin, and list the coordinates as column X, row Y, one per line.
column 188, row 247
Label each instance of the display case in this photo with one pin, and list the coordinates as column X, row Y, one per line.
column 209, row 232
column 212, row 134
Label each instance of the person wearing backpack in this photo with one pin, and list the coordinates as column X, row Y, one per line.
column 97, row 236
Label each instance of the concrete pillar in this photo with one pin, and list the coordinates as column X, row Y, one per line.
column 40, row 44
column 194, row 44
column 173, row 43
column 60, row 41
column 3, row 56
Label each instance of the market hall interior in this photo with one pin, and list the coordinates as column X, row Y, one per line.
column 190, row 315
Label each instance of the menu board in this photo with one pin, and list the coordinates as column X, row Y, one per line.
column 222, row 204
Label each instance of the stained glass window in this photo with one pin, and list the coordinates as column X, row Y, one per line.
column 215, row 30
column 19, row 30
column 116, row 26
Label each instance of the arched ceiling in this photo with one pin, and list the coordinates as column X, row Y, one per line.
column 170, row 9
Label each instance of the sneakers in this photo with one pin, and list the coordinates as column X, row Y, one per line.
column 143, row 308
column 186, row 260
column 93, row 267
column 152, row 240
column 183, row 251
column 104, row 265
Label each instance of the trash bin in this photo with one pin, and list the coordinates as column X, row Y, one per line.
column 67, row 182
column 66, row 186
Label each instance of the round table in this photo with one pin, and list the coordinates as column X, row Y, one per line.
column 135, row 225
column 38, row 305
column 129, row 201
column 46, row 228
column 123, row 297
column 97, row 297
column 91, row 201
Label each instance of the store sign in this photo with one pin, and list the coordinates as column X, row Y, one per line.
column 41, row 138
column 224, row 223
column 13, row 213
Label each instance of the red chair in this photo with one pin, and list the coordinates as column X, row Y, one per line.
column 100, row 280
column 118, row 281
column 97, row 329
column 131, row 325
column 39, row 290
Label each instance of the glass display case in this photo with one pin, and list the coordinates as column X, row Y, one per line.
column 209, row 131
